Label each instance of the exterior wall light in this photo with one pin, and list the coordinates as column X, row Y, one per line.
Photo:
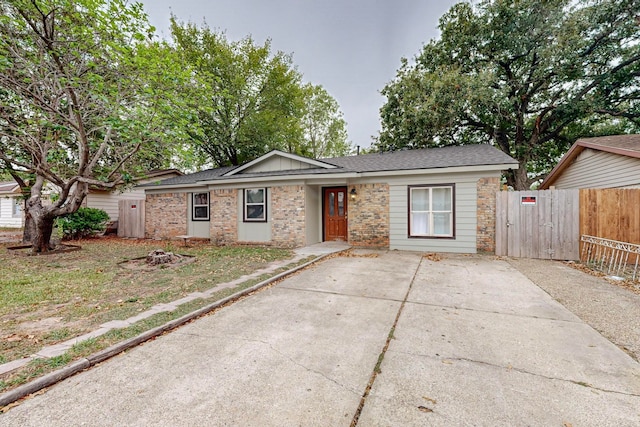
column 353, row 193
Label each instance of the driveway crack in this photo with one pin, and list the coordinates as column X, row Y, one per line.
column 376, row 369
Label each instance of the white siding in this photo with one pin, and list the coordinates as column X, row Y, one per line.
column 465, row 214
column 108, row 202
column 277, row 163
column 7, row 219
column 599, row 169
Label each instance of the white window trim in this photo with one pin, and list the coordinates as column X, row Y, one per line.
column 245, row 205
column 430, row 212
column 194, row 206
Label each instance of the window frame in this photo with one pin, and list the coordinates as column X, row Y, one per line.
column 200, row 205
column 430, row 211
column 245, row 205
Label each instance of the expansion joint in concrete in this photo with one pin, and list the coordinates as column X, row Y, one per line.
column 390, row 336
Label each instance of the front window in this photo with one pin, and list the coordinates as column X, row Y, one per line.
column 200, row 207
column 431, row 211
column 17, row 207
column 255, row 205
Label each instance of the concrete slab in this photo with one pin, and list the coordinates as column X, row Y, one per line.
column 484, row 283
column 415, row 390
column 376, row 275
column 571, row 351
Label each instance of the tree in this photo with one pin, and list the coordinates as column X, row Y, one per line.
column 325, row 131
column 528, row 76
column 244, row 101
column 81, row 92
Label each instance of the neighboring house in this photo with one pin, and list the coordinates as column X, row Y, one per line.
column 602, row 162
column 11, row 203
column 107, row 200
column 440, row 199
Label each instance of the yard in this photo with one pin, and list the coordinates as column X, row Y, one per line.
column 49, row 299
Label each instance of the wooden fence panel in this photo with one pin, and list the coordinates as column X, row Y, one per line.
column 538, row 224
column 612, row 213
column 131, row 218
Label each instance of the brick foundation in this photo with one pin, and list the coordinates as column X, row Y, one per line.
column 224, row 217
column 287, row 216
column 486, row 231
column 369, row 215
column 165, row 215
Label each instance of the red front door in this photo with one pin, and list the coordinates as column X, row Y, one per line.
column 335, row 213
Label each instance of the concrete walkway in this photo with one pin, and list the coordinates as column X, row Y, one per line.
column 460, row 341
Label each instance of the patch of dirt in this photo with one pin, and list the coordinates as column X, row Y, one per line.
column 357, row 253
column 140, row 264
column 42, row 325
column 25, row 250
column 627, row 284
column 432, row 257
column 10, row 237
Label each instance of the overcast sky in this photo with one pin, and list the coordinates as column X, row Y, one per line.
column 350, row 47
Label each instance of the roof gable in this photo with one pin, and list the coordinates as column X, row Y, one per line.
column 279, row 161
column 9, row 187
column 623, row 145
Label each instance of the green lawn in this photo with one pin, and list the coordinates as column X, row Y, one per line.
column 48, row 299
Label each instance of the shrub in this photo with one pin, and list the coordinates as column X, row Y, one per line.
column 85, row 222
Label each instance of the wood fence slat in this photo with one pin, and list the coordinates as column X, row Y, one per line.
column 548, row 228
column 131, row 217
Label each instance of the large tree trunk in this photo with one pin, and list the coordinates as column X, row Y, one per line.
column 41, row 241
column 29, row 226
column 42, row 226
column 518, row 179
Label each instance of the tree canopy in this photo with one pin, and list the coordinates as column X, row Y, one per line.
column 324, row 127
column 243, row 100
column 82, row 90
column 528, row 76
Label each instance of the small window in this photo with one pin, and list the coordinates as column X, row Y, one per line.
column 17, row 207
column 431, row 211
column 255, row 205
column 200, row 210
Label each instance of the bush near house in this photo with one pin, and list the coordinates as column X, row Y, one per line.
column 85, row 222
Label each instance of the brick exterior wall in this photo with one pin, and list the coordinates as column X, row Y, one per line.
column 287, row 216
column 369, row 215
column 165, row 215
column 486, row 232
column 223, row 216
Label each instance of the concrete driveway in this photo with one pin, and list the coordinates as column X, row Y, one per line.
column 466, row 340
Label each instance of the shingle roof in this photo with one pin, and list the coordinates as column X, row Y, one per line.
column 8, row 187
column 429, row 158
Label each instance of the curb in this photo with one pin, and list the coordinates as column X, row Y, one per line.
column 82, row 364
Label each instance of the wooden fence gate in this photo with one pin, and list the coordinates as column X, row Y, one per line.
column 538, row 224
column 131, row 218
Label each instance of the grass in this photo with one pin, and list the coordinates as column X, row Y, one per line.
column 49, row 299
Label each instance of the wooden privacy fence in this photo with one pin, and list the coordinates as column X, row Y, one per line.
column 611, row 213
column 549, row 224
column 131, row 218
column 538, row 224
